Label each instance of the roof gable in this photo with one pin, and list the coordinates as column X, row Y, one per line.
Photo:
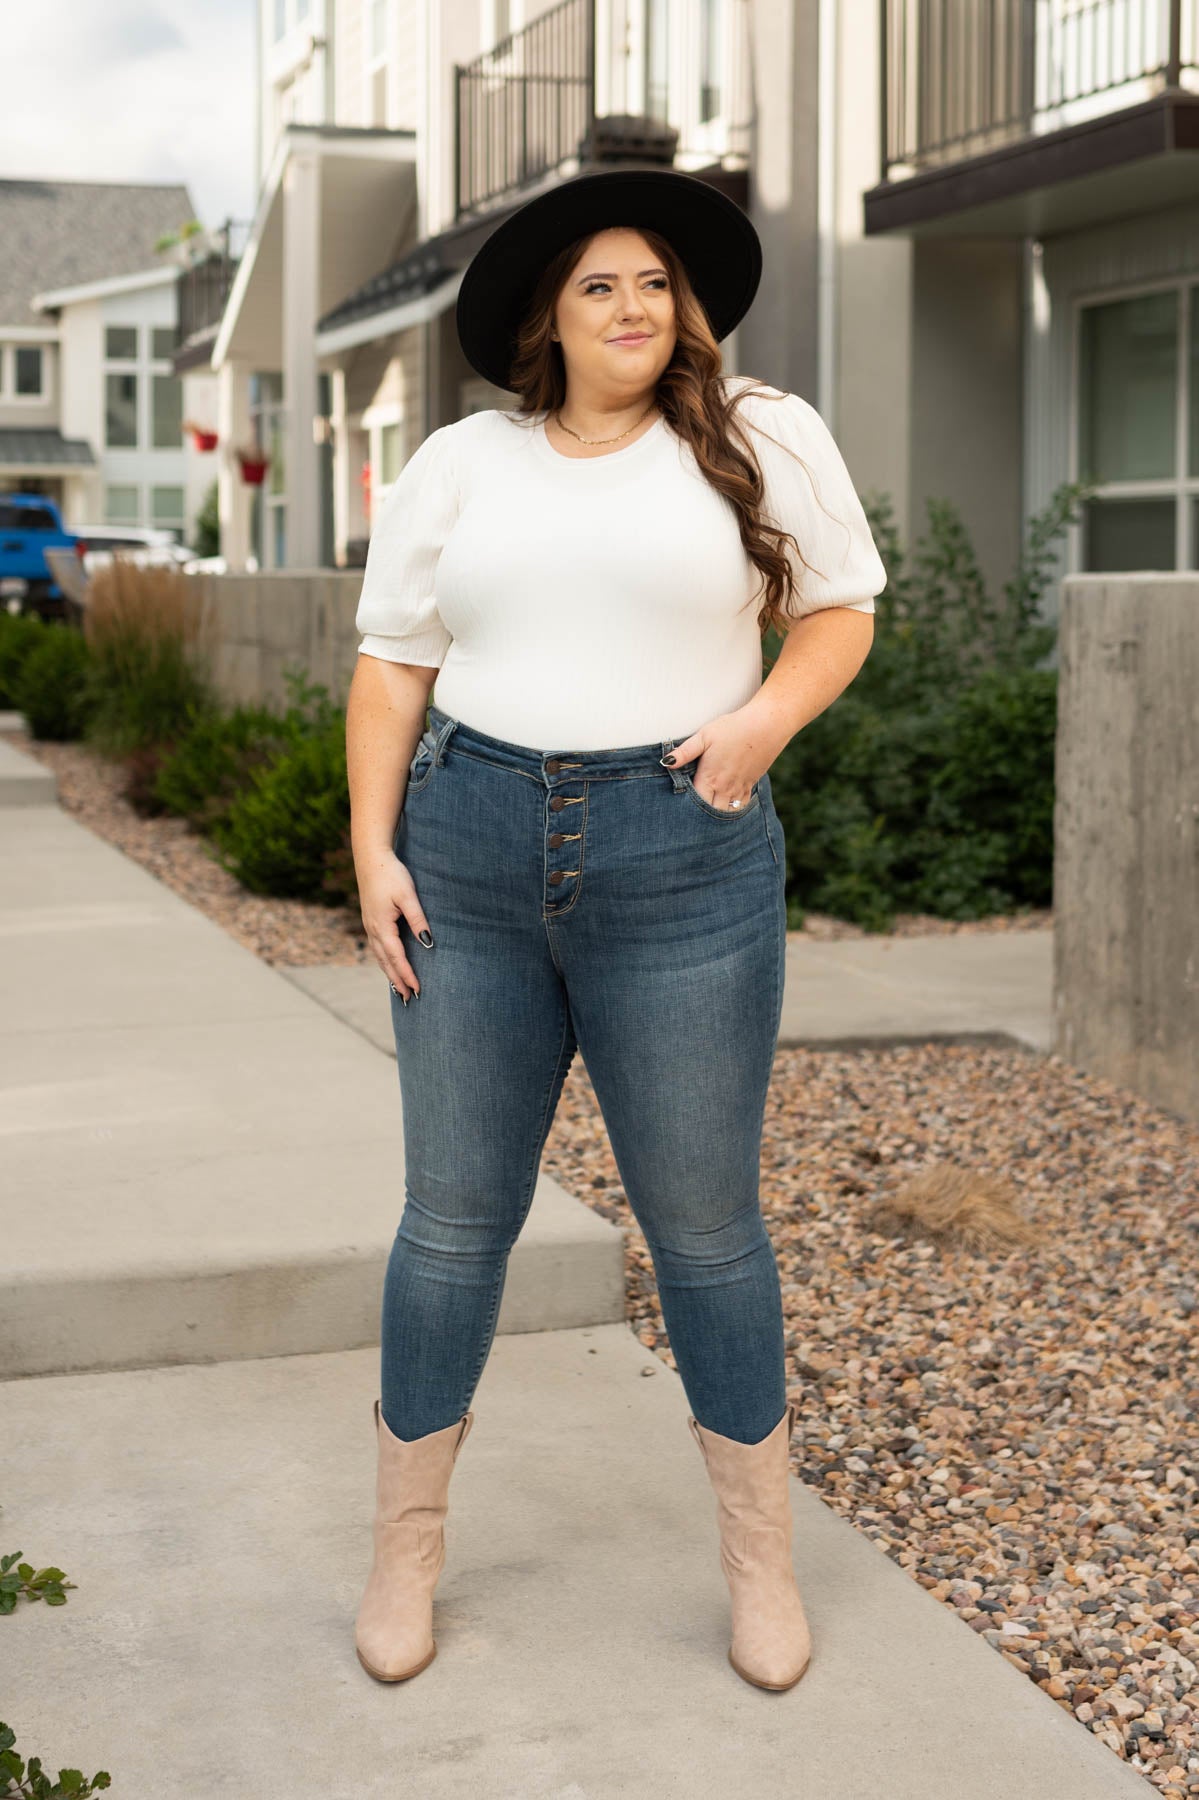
column 57, row 234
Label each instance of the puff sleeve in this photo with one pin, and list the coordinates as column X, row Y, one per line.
column 397, row 610
column 847, row 568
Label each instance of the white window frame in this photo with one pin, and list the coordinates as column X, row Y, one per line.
column 374, row 418
column 8, row 372
column 1181, row 487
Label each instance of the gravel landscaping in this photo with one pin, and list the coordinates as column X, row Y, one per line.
column 1011, row 1417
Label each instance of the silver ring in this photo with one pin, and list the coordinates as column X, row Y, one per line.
column 391, row 984
column 736, row 804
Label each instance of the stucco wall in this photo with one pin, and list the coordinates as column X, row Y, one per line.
column 1126, row 863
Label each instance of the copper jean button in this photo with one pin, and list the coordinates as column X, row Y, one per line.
column 556, row 877
column 557, row 803
column 553, row 765
column 556, row 838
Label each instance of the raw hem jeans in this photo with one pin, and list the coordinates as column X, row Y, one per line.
column 586, row 900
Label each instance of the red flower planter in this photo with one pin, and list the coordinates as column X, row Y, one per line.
column 203, row 440
column 253, row 469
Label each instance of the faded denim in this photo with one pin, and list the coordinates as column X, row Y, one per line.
column 592, row 900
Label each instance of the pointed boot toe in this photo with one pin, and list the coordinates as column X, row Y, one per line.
column 771, row 1642
column 393, row 1632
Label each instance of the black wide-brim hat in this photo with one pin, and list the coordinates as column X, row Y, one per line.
column 715, row 239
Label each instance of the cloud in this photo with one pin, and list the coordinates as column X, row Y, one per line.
column 143, row 90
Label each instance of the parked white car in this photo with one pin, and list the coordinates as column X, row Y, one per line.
column 144, row 546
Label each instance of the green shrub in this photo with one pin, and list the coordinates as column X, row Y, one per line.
column 55, row 688
column 217, row 756
column 280, row 833
column 928, row 785
column 20, row 634
column 215, row 759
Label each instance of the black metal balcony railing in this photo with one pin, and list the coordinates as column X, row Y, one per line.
column 204, row 287
column 958, row 79
column 528, row 105
column 522, row 107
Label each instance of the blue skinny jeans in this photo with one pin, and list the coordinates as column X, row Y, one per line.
column 585, row 900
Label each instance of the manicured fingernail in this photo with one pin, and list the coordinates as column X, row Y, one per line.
column 426, row 938
column 667, row 759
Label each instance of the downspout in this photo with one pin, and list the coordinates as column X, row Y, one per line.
column 826, row 214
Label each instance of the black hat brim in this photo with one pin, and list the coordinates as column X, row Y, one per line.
column 715, row 239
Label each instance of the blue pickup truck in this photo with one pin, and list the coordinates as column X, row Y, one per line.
column 29, row 526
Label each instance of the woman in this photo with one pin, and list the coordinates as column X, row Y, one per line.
column 587, row 854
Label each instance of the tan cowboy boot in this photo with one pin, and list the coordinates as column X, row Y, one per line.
column 393, row 1634
column 771, row 1644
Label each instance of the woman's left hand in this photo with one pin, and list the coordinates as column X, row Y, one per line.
column 732, row 755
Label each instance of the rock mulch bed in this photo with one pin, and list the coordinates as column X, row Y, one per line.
column 1014, row 1425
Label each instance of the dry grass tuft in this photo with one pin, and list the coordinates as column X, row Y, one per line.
column 151, row 607
column 957, row 1208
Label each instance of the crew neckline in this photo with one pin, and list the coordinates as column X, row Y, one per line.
column 586, row 462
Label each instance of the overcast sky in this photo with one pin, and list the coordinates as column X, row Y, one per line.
column 133, row 90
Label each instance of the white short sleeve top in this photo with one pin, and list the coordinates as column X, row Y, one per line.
column 582, row 603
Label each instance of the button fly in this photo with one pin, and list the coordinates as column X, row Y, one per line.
column 553, row 765
column 557, row 803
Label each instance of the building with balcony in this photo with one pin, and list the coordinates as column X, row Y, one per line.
column 1035, row 218
column 396, row 134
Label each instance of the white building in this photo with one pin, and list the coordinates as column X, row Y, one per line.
column 980, row 227
column 91, row 410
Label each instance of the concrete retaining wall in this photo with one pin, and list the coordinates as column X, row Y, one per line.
column 263, row 624
column 1126, row 866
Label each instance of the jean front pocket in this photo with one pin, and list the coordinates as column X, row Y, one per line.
column 723, row 812
column 424, row 762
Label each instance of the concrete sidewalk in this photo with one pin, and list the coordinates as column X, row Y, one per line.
column 199, row 1161
column 981, row 987
column 217, row 1523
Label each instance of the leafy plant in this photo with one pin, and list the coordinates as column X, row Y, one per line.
column 36, row 1584
column 55, row 684
column 928, row 785
column 279, row 831
column 207, row 536
column 20, row 635
column 35, row 1783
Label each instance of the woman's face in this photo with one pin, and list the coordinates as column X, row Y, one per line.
column 615, row 315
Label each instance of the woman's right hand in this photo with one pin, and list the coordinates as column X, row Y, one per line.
column 386, row 892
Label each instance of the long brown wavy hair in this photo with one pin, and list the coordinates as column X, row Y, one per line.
column 691, row 398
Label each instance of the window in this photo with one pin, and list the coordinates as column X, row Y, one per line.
column 120, row 411
column 166, row 507
column 122, row 505
column 1128, row 416
column 657, row 59
column 167, row 430
column 27, row 518
column 711, row 25
column 162, row 343
column 120, row 343
column 280, row 18
column 389, row 454
column 27, row 372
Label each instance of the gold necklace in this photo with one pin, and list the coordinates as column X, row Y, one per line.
column 612, row 440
